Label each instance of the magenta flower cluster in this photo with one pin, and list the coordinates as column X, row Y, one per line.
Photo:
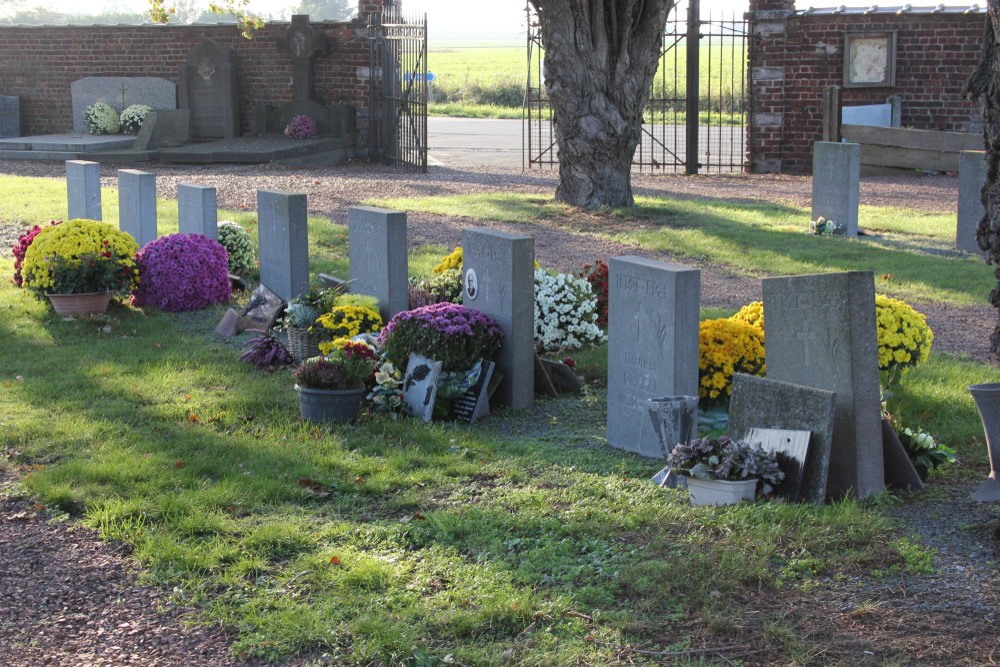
column 301, row 127
column 454, row 334
column 182, row 272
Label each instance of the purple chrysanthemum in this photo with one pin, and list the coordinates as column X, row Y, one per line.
column 182, row 272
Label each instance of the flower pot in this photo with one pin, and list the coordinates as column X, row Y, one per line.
column 715, row 492
column 87, row 303
column 302, row 344
column 987, row 398
column 330, row 405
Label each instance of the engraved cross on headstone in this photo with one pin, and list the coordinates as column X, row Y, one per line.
column 302, row 43
column 808, row 338
column 123, row 96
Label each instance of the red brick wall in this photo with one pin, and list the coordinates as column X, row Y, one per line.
column 40, row 63
column 794, row 57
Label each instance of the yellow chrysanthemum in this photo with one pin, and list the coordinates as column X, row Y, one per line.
column 727, row 346
column 72, row 239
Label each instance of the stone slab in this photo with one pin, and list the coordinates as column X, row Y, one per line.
column 197, row 210
column 378, row 257
column 283, row 239
column 10, row 116
column 971, row 178
column 137, row 205
column 820, row 332
column 164, row 128
column 766, row 403
column 652, row 344
column 207, row 85
column 250, row 150
column 83, row 189
column 836, row 185
column 69, row 142
column 500, row 281
column 42, row 156
column 149, row 90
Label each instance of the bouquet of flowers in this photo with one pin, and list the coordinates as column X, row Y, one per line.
column 101, row 118
column 132, row 117
column 345, row 322
column 301, row 127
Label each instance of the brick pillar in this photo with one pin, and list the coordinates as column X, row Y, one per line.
column 767, row 20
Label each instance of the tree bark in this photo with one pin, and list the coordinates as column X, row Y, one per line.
column 600, row 58
column 984, row 86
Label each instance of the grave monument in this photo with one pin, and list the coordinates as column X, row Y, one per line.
column 836, row 187
column 378, row 257
column 207, row 86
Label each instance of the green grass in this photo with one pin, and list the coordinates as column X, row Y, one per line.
column 911, row 253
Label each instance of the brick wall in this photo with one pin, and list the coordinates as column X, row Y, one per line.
column 793, row 57
column 39, row 63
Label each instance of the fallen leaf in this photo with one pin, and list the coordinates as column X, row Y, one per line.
column 334, row 560
column 19, row 378
column 359, row 479
column 187, row 397
column 156, row 346
column 193, row 418
column 179, row 463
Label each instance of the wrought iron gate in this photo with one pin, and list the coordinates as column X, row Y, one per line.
column 397, row 132
column 695, row 120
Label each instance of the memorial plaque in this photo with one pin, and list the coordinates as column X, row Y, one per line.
column 474, row 404
column 283, row 239
column 378, row 257
column 120, row 92
column 83, row 189
column 836, row 185
column 420, row 386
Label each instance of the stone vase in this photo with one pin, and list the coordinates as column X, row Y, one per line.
column 87, row 303
column 987, row 398
column 674, row 418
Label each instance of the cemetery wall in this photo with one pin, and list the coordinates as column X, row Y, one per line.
column 39, row 63
column 795, row 55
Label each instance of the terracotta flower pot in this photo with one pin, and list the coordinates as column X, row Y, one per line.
column 87, row 303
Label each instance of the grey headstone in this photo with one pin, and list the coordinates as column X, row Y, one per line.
column 197, row 212
column 378, row 260
column 652, row 345
column 792, row 449
column 836, row 185
column 137, row 204
column 303, row 43
column 83, row 189
column 164, row 128
column 284, row 242
column 971, row 178
column 875, row 115
column 420, row 386
column 500, row 281
column 10, row 116
column 766, row 403
column 207, row 86
column 820, row 332
column 120, row 92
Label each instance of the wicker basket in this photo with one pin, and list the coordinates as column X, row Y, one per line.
column 302, row 344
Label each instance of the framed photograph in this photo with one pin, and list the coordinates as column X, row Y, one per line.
column 869, row 59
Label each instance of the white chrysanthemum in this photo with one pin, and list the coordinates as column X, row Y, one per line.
column 565, row 312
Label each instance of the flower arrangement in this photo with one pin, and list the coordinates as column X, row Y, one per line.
column 451, row 262
column 346, row 322
column 301, row 127
column 182, row 272
column 904, row 339
column 106, row 254
column 752, row 314
column 597, row 276
column 240, row 247
column 101, row 118
column 266, row 352
column 455, row 335
column 823, row 227
column 445, row 286
column 359, row 300
column 348, row 365
column 725, row 347
column 132, row 118
column 22, row 247
column 386, row 396
column 726, row 459
column 565, row 312
column 925, row 453
column 303, row 310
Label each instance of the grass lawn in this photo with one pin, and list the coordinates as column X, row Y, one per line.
column 525, row 538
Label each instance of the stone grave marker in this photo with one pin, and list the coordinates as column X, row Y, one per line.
column 420, row 386
column 197, row 212
column 792, row 448
column 378, row 257
column 765, row 403
column 499, row 270
column 836, row 185
column 10, row 116
column 652, row 345
column 120, row 92
column 83, row 189
column 283, row 239
column 164, row 129
column 971, row 178
column 207, row 86
column 137, row 204
column 474, row 404
column 820, row 332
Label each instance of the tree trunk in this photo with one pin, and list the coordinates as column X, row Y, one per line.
column 600, row 58
column 984, row 85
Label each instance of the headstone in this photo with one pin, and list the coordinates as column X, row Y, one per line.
column 874, row 115
column 378, row 257
column 899, row 469
column 791, row 449
column 971, row 178
column 207, row 86
column 197, row 212
column 499, row 273
column 836, row 185
column 10, row 116
column 164, row 129
column 652, row 345
column 137, row 205
column 303, row 43
column 420, row 386
column 283, row 238
column 83, row 188
column 766, row 403
column 820, row 332
column 474, row 404
column 120, row 92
